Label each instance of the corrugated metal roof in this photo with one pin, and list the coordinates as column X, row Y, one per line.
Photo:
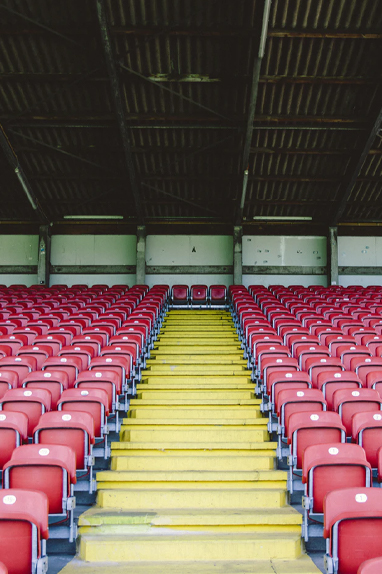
column 318, row 94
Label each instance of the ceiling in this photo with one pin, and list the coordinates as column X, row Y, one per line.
column 154, row 110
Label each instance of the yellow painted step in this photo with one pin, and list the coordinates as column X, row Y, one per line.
column 185, row 379
column 285, row 516
column 170, row 385
column 175, row 370
column 168, row 546
column 193, row 434
column 160, row 350
column 192, row 463
column 208, row 413
column 184, row 476
column 130, row 423
column 202, row 394
column 166, row 339
column 223, row 359
column 192, row 498
column 302, row 565
column 193, row 449
column 187, row 402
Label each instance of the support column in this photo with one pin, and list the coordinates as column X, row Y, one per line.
column 43, row 255
column 141, row 255
column 333, row 256
column 237, row 255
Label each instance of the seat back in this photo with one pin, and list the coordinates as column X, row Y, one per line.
column 31, row 402
column 367, row 432
column 347, row 402
column 218, row 294
column 13, row 433
column 179, row 294
column 40, row 467
column 310, row 428
column 92, row 401
column 23, row 523
column 353, row 525
column 333, row 466
column 71, row 428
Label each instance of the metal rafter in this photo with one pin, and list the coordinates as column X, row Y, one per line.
column 59, row 150
column 173, row 92
column 251, row 112
column 116, row 93
column 355, row 168
column 27, row 189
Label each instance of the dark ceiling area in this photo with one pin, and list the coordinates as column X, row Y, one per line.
column 205, row 111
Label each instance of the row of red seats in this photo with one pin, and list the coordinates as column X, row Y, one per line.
column 306, row 359
column 87, row 381
column 213, row 296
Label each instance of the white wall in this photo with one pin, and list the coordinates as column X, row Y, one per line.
column 18, row 250
column 93, row 250
column 283, row 251
column 360, row 252
column 194, row 250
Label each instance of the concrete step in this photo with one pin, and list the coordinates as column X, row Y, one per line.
column 224, row 358
column 219, row 403
column 302, row 565
column 190, row 370
column 197, row 379
column 198, row 423
column 208, row 413
column 202, row 349
column 169, row 546
column 194, row 434
column 259, row 517
column 191, row 498
column 199, row 394
column 196, row 476
column 170, row 463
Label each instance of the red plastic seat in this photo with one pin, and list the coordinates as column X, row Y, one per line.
column 363, row 366
column 330, row 381
column 117, row 363
column 304, row 352
column 353, row 527
column 373, row 566
column 317, row 365
column 13, row 433
column 39, row 352
column 31, row 402
column 71, row 365
column 50, row 469
column 347, row 402
column 92, row 401
column 23, row 530
column 198, row 294
column 272, row 364
column 285, row 379
column 71, row 428
column 22, row 366
column 218, row 294
column 54, row 381
column 8, row 380
column 310, row 428
column 291, row 401
column 179, row 294
column 109, row 381
column 83, row 352
column 367, row 432
column 328, row 467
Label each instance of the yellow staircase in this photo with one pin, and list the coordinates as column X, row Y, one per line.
column 193, row 486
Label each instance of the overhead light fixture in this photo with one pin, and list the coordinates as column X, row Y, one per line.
column 282, row 218
column 93, row 216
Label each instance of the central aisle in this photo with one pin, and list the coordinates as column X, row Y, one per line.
column 193, row 486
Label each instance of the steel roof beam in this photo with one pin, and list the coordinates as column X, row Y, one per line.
column 251, row 113
column 355, row 168
column 174, row 93
column 23, row 180
column 116, row 94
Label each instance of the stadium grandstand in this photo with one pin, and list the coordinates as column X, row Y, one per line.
column 191, row 287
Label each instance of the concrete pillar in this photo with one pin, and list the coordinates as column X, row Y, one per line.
column 237, row 255
column 43, row 255
column 333, row 256
column 141, row 255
